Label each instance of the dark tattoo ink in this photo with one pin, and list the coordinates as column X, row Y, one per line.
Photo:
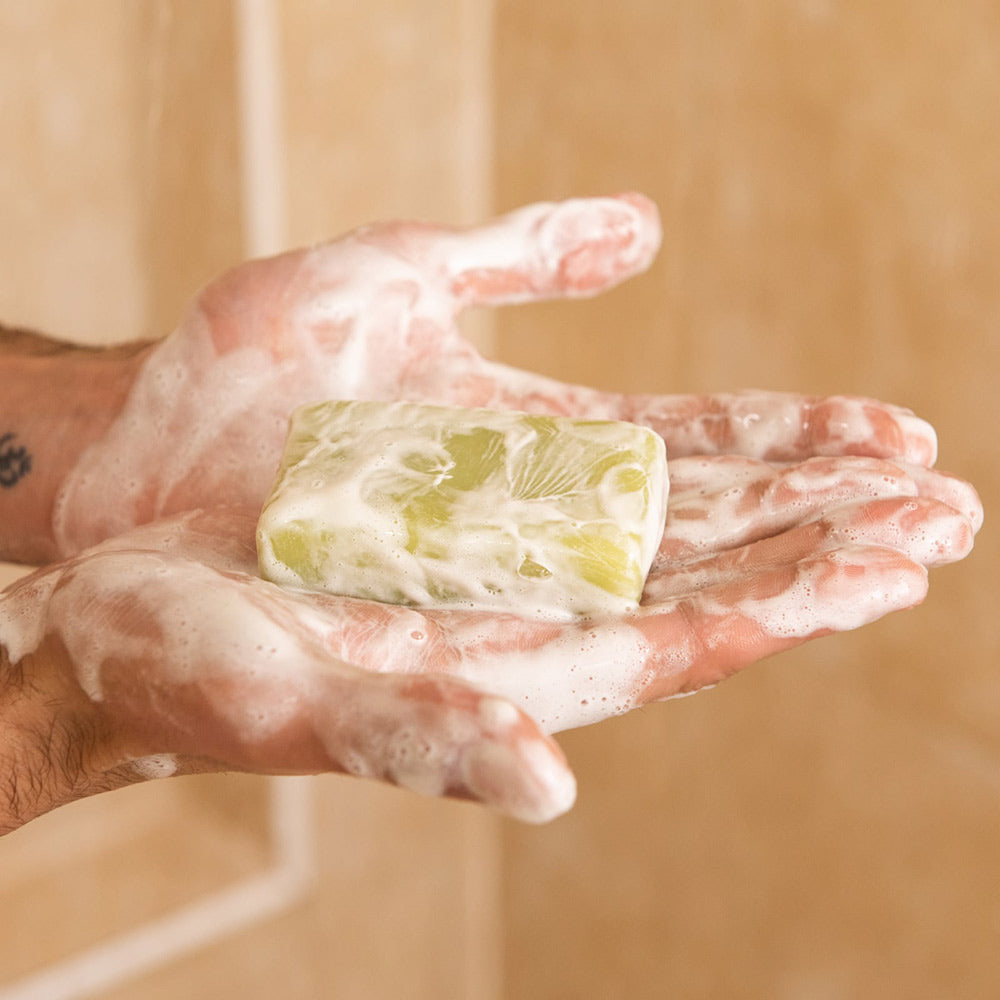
column 15, row 462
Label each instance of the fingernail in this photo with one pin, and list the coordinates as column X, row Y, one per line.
column 951, row 490
column 929, row 533
column 919, row 439
column 527, row 783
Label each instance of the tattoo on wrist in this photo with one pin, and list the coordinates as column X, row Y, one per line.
column 15, row 462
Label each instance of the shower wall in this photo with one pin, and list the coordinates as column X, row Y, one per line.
column 823, row 826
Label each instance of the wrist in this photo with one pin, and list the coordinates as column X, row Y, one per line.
column 58, row 399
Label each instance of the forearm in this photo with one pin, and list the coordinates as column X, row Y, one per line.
column 57, row 399
column 54, row 746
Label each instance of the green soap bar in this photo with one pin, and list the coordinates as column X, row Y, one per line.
column 438, row 506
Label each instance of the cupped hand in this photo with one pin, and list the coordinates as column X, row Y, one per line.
column 373, row 316
column 162, row 651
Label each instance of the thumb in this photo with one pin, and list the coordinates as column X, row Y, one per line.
column 572, row 248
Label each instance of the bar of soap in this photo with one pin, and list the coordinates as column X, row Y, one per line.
column 432, row 506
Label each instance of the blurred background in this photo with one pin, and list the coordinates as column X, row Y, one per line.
column 824, row 826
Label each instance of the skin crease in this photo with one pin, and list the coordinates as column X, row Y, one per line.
column 789, row 518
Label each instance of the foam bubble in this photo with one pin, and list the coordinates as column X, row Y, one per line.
column 541, row 680
column 160, row 765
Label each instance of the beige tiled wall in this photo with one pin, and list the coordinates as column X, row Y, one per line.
column 822, row 827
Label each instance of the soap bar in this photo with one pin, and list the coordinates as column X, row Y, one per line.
column 433, row 506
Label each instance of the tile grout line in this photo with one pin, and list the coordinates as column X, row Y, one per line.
column 157, row 942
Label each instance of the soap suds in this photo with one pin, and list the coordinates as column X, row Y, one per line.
column 159, row 765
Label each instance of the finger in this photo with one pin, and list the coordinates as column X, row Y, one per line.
column 926, row 531
column 575, row 675
column 710, row 635
column 571, row 248
column 200, row 665
column 771, row 426
column 783, row 427
column 726, row 502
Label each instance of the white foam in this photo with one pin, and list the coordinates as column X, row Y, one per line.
column 160, row 765
column 580, row 676
column 22, row 622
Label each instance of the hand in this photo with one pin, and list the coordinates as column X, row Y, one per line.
column 790, row 518
column 373, row 315
column 162, row 652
